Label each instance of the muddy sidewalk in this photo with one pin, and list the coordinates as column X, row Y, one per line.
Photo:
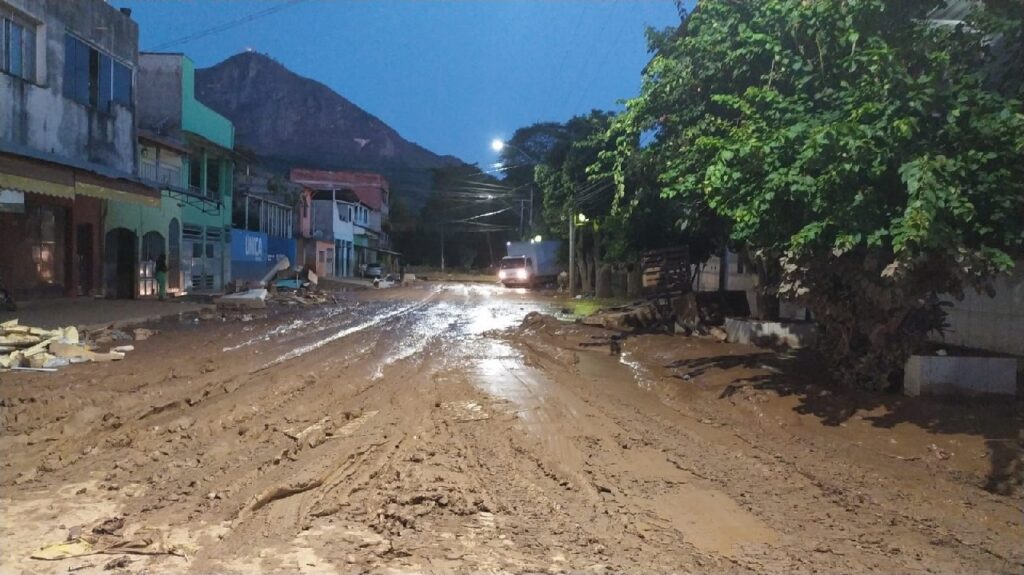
column 424, row 429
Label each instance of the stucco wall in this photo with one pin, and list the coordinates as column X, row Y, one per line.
column 160, row 94
column 35, row 113
column 992, row 323
column 198, row 118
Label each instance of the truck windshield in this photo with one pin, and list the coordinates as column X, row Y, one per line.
column 511, row 263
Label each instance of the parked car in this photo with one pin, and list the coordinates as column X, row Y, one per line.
column 373, row 271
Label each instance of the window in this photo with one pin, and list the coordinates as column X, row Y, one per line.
column 195, row 174
column 93, row 78
column 18, row 49
column 212, row 178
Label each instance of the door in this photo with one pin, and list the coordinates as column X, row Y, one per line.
column 120, row 257
column 214, row 262
column 152, row 248
column 192, row 257
column 173, row 256
column 83, row 258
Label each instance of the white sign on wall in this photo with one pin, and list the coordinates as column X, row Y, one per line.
column 12, row 201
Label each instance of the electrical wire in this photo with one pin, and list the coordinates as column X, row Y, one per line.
column 227, row 25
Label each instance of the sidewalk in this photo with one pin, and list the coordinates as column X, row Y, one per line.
column 93, row 313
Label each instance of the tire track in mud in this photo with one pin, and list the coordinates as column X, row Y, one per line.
column 345, row 332
column 733, row 464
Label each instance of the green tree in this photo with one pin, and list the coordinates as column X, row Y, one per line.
column 863, row 150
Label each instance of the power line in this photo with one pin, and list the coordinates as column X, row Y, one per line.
column 227, row 25
column 565, row 53
column 467, row 220
column 609, row 47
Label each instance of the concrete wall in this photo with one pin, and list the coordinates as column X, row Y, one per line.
column 708, row 280
column 991, row 323
column 36, row 114
column 160, row 94
column 198, row 118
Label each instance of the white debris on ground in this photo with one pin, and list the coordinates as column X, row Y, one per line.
column 25, row 347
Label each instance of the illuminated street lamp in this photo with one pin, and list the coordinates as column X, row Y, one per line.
column 498, row 145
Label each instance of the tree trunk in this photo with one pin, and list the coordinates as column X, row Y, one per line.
column 766, row 294
column 603, row 287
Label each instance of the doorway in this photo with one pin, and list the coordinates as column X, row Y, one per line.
column 84, row 258
column 119, row 263
column 174, row 256
column 152, row 248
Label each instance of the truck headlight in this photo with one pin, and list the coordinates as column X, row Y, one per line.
column 501, row 274
column 522, row 274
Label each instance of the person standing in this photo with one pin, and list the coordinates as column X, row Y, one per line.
column 161, row 275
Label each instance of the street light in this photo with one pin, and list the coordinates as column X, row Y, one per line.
column 498, row 145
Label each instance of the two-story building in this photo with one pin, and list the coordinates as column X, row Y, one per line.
column 263, row 221
column 68, row 148
column 187, row 150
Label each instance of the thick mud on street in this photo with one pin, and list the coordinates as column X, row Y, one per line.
column 432, row 429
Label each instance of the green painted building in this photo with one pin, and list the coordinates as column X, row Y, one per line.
column 187, row 149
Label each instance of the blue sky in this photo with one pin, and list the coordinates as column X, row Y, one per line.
column 448, row 75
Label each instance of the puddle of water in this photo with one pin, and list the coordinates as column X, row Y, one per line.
column 500, row 373
column 711, row 521
column 303, row 350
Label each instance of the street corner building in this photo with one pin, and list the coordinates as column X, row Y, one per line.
column 107, row 160
column 344, row 221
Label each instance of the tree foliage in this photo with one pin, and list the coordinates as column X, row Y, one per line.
column 868, row 152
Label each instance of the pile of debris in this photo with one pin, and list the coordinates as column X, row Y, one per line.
column 25, row 347
column 700, row 314
column 280, row 285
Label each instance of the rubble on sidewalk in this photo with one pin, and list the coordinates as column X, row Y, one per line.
column 30, row 348
column 281, row 285
column 248, row 299
column 689, row 314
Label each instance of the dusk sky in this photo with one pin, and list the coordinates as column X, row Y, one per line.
column 448, row 75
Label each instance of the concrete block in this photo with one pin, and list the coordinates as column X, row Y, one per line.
column 756, row 332
column 937, row 375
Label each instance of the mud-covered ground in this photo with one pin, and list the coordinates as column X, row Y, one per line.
column 430, row 429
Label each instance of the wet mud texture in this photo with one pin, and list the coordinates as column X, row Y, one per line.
column 430, row 429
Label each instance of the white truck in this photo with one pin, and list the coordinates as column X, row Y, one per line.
column 529, row 263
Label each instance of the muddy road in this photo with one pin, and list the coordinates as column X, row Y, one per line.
column 431, row 429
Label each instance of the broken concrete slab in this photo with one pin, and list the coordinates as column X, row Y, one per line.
column 250, row 299
column 771, row 333
column 72, row 351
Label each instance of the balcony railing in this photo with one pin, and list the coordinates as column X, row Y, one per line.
column 147, row 171
column 169, row 176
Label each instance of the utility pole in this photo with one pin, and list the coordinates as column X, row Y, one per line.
column 572, row 252
column 531, row 206
column 522, row 204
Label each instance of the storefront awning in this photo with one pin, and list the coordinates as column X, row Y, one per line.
column 116, row 190
column 36, row 186
column 25, row 175
column 40, row 176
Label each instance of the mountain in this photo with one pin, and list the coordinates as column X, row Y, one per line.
column 291, row 121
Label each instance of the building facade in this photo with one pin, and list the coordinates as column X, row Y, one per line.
column 68, row 148
column 358, row 205
column 189, row 150
column 263, row 222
